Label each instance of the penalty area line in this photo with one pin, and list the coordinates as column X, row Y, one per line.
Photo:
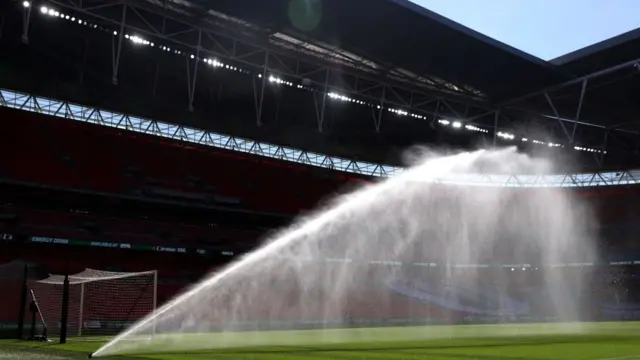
column 628, row 357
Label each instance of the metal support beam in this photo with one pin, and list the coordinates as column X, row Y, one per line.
column 575, row 124
column 377, row 121
column 192, row 78
column 293, row 62
column 579, row 80
column 583, row 80
column 117, row 48
column 26, row 20
column 555, row 112
column 436, row 114
column 454, row 111
column 600, row 156
column 496, row 119
column 323, row 106
column 258, row 94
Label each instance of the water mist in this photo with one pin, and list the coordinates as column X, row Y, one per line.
column 406, row 248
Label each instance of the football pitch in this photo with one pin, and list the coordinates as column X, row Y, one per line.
column 601, row 341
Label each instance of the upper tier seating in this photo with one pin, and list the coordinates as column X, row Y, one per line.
column 66, row 153
column 69, row 154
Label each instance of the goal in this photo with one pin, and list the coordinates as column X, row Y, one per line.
column 100, row 302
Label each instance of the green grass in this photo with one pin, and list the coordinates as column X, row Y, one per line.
column 604, row 341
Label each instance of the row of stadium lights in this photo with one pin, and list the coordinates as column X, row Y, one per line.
column 469, row 127
column 524, row 269
column 510, row 137
column 503, row 135
column 458, row 125
column 137, row 40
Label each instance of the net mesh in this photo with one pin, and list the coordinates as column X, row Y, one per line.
column 100, row 302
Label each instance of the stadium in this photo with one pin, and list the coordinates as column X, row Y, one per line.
column 196, row 179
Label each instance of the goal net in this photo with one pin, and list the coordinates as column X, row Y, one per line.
column 100, row 302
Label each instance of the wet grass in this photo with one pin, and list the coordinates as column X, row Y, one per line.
column 607, row 341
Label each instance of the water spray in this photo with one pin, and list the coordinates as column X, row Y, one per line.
column 364, row 256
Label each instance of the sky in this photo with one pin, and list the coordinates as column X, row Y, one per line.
column 544, row 28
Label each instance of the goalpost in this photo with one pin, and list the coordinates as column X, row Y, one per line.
column 99, row 302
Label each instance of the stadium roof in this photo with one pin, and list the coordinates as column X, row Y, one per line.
column 413, row 65
column 398, row 35
column 611, row 52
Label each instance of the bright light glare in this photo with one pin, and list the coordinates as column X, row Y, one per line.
column 457, row 124
column 26, row 4
column 44, row 10
column 135, row 39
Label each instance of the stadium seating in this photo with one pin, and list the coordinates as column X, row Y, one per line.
column 63, row 153
column 71, row 155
